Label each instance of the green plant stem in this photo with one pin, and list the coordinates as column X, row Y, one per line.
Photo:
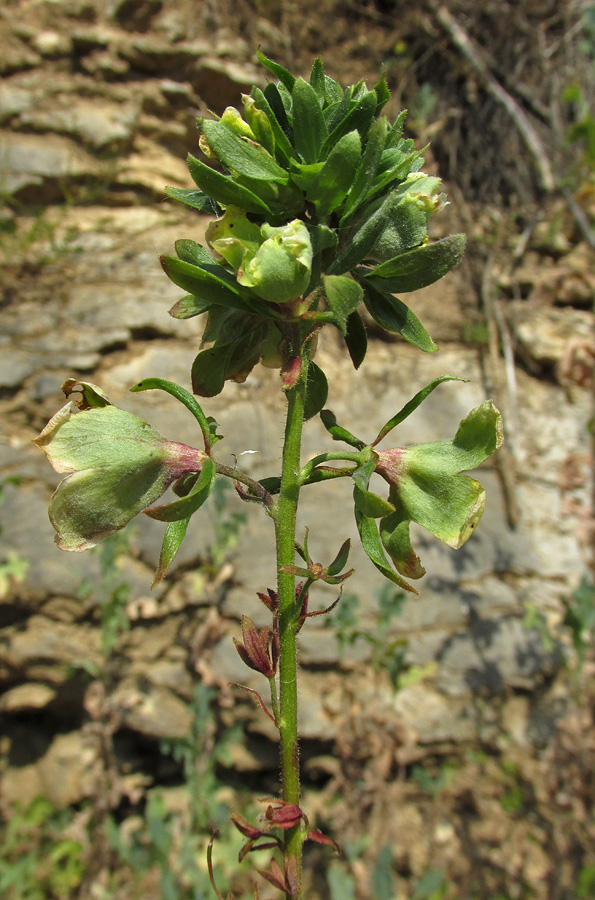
column 285, row 526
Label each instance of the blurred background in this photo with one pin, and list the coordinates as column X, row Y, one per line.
column 448, row 740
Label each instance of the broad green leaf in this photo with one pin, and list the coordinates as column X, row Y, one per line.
column 339, row 108
column 309, row 126
column 343, row 296
column 412, row 405
column 391, row 314
column 479, row 435
column 356, row 339
column 338, row 432
column 419, row 267
column 367, row 166
column 448, row 506
column 172, row 539
column 372, row 545
column 283, row 74
column 317, row 79
column 196, row 199
column 316, row 391
column 242, row 156
column 185, row 506
column 334, row 180
column 370, row 504
column 224, row 189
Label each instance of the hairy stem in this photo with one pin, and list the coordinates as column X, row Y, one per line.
column 285, row 524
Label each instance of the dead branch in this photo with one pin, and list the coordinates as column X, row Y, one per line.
column 473, row 55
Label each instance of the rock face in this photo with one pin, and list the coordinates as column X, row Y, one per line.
column 85, row 296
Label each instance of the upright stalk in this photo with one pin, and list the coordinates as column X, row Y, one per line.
column 285, row 526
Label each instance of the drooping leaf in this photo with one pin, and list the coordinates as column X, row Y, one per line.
column 370, row 504
column 209, row 369
column 419, row 267
column 172, row 540
column 316, row 391
column 391, row 314
column 372, row 545
column 356, row 339
column 394, row 533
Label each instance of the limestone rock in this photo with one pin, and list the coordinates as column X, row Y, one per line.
column 37, row 167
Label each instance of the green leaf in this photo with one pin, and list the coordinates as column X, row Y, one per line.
column 396, row 132
column 189, row 306
column 332, row 89
column 317, row 79
column 242, row 156
column 224, row 189
column 383, row 94
column 372, row 545
column 419, row 267
column 343, row 296
column 284, row 75
column 340, row 560
column 316, row 391
column 196, row 199
column 305, row 174
column 283, row 145
column 172, row 539
column 391, row 314
column 334, row 180
column 363, row 234
column 370, row 504
column 181, row 394
column 202, row 284
column 359, row 117
column 184, row 507
column 356, row 339
column 412, row 405
column 209, row 369
column 394, row 533
column 194, row 253
column 448, row 506
column 281, row 106
column 367, row 166
column 309, row 125
column 338, row 432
